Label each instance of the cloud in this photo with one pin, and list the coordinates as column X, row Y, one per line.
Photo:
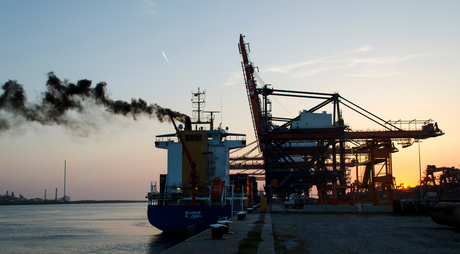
column 151, row 8
column 290, row 67
column 373, row 73
column 312, row 72
column 372, row 61
column 380, row 60
column 342, row 61
column 235, row 78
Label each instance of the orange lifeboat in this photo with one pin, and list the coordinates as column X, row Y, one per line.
column 216, row 189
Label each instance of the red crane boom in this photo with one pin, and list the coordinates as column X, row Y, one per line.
column 192, row 164
column 251, row 88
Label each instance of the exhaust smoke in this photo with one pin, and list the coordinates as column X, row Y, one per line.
column 62, row 99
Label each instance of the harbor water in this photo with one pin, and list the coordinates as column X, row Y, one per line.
column 80, row 228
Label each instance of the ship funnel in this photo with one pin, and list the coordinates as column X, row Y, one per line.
column 188, row 123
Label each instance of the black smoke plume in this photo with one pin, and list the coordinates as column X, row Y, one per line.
column 62, row 97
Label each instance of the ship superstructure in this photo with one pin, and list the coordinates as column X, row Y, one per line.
column 197, row 188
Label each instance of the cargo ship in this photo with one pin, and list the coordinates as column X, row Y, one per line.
column 197, row 189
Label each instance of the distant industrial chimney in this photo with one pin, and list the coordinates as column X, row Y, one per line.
column 65, row 167
column 55, row 195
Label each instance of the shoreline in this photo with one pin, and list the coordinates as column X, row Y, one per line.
column 53, row 202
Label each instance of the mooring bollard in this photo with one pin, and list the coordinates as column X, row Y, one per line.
column 217, row 230
column 189, row 231
column 250, row 210
column 241, row 215
column 226, row 223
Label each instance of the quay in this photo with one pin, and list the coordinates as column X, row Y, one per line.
column 332, row 229
column 229, row 244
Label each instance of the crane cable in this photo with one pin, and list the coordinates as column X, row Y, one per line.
column 261, row 81
column 238, row 149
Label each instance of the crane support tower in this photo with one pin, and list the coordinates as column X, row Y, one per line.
column 316, row 148
column 441, row 183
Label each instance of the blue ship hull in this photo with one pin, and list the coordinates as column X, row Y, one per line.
column 176, row 218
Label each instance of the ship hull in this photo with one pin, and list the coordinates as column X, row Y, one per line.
column 176, row 218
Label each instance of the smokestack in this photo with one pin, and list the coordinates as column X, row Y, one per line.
column 45, row 195
column 55, row 195
column 188, row 124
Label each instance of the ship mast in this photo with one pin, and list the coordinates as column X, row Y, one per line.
column 198, row 102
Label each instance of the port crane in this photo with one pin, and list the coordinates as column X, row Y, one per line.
column 296, row 156
column 193, row 174
column 445, row 184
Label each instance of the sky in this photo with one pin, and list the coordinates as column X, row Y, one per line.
column 396, row 59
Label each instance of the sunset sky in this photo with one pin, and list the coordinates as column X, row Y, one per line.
column 396, row 59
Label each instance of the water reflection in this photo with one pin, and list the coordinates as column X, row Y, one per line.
column 81, row 228
column 164, row 241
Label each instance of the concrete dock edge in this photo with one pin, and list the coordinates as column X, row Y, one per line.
column 267, row 246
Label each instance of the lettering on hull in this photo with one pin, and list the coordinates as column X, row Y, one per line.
column 193, row 215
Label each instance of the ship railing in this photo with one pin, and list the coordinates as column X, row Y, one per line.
column 176, row 190
column 235, row 195
column 234, row 136
column 235, row 198
column 197, row 198
column 173, row 196
column 166, row 138
column 184, row 196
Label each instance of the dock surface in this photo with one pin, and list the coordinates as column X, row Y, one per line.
column 238, row 231
column 303, row 231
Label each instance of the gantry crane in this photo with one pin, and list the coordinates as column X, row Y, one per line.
column 319, row 149
column 445, row 184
